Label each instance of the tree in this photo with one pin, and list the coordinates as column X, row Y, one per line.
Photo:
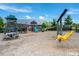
column 43, row 25
column 68, row 20
column 53, row 23
column 68, row 23
column 1, row 24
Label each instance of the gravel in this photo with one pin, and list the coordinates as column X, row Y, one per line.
column 39, row 44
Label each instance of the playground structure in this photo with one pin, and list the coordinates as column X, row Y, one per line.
column 65, row 36
column 10, row 28
column 61, row 37
column 35, row 29
column 34, row 26
column 11, row 23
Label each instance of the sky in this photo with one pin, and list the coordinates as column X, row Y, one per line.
column 26, row 12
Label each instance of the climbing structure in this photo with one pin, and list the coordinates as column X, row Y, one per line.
column 61, row 37
column 11, row 24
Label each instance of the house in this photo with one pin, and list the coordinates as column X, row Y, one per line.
column 34, row 23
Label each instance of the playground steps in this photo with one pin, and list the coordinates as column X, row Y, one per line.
column 65, row 36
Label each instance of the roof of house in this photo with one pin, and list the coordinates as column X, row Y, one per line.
column 33, row 22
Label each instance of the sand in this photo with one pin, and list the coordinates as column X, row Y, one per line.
column 39, row 44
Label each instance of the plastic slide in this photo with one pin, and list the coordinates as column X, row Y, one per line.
column 65, row 36
column 35, row 29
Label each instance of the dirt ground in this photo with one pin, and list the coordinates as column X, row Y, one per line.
column 39, row 44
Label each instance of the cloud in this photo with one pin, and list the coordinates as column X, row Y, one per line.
column 15, row 9
column 28, row 17
column 41, row 17
column 73, row 11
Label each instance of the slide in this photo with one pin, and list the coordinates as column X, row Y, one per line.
column 65, row 36
column 35, row 29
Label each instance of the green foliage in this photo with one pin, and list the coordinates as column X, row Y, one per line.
column 68, row 20
column 43, row 25
column 46, row 24
column 1, row 23
column 53, row 23
column 68, row 23
column 76, row 27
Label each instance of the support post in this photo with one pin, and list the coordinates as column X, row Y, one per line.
column 57, row 28
column 61, row 27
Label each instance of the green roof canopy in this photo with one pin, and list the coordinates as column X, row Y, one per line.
column 11, row 17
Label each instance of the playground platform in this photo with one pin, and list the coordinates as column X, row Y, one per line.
column 39, row 44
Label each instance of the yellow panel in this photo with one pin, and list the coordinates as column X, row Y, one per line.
column 65, row 36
